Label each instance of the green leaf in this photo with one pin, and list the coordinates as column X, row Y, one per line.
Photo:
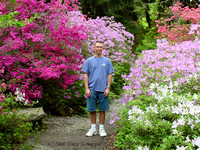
column 12, row 1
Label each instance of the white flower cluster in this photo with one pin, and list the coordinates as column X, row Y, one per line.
column 184, row 106
column 136, row 114
column 162, row 91
column 21, row 97
column 145, row 148
column 181, row 148
column 195, row 142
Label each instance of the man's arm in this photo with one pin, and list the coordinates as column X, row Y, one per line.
column 107, row 91
column 87, row 90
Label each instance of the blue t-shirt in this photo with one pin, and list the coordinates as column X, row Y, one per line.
column 98, row 69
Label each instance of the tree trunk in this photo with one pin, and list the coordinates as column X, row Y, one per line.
column 147, row 15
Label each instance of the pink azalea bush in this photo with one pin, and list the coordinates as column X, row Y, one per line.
column 6, row 21
column 42, row 59
column 176, row 28
column 2, row 96
column 168, row 61
column 44, row 49
column 117, row 41
column 117, row 44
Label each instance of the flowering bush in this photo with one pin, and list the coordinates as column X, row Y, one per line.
column 117, row 44
column 38, row 51
column 161, row 101
column 44, row 56
column 157, row 65
column 166, row 120
column 176, row 28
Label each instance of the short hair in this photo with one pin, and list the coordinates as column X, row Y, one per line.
column 98, row 42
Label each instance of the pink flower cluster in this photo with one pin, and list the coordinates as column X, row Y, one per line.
column 168, row 61
column 117, row 41
column 45, row 49
column 172, row 28
column 2, row 96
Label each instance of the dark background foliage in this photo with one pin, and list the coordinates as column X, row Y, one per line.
column 130, row 12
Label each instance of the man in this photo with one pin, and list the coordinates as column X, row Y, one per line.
column 97, row 78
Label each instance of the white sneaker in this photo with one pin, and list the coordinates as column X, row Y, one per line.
column 102, row 132
column 91, row 132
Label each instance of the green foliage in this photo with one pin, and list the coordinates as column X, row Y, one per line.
column 191, row 85
column 118, row 82
column 15, row 131
column 148, row 41
column 8, row 20
column 58, row 101
column 9, row 102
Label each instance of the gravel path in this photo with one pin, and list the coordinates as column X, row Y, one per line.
column 68, row 133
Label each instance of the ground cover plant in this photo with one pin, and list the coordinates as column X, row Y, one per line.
column 15, row 129
column 161, row 102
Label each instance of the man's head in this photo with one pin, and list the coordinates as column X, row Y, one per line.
column 98, row 48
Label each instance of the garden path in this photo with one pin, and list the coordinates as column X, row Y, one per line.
column 68, row 133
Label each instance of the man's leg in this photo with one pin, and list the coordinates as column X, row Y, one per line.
column 91, row 107
column 102, row 131
column 101, row 117
column 103, row 105
column 92, row 130
column 93, row 117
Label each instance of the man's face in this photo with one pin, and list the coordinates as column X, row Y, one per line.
column 98, row 48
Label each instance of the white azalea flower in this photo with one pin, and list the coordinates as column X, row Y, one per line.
column 139, row 147
column 175, row 131
column 175, row 124
column 195, row 96
column 187, row 139
column 145, row 148
column 196, row 142
column 181, row 148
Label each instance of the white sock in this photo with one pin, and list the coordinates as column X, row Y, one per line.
column 93, row 126
column 101, row 126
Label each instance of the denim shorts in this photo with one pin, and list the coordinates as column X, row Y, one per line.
column 97, row 98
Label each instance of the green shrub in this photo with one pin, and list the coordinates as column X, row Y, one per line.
column 58, row 101
column 118, row 82
column 15, row 131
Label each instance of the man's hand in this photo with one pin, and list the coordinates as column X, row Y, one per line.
column 88, row 93
column 107, row 92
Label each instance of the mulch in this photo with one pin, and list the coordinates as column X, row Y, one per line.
column 109, row 143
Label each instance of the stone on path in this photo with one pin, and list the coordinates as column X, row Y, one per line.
column 36, row 114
